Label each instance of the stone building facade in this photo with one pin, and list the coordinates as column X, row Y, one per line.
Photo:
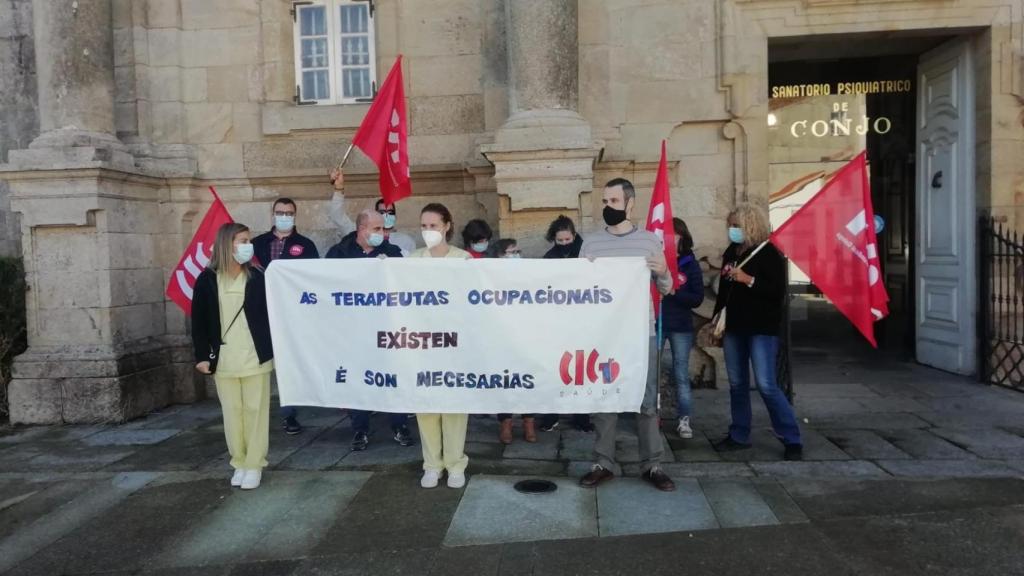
column 123, row 112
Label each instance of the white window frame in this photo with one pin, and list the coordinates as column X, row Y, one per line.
column 334, row 38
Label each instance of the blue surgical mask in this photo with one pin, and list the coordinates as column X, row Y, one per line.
column 284, row 223
column 243, row 253
column 389, row 220
column 479, row 246
column 735, row 235
column 375, row 239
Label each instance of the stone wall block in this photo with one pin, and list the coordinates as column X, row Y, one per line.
column 163, row 14
column 227, row 84
column 451, row 28
column 206, row 15
column 165, row 84
column 168, row 122
column 446, row 115
column 58, row 289
column 194, row 85
column 137, row 321
column 220, row 160
column 246, row 119
column 165, row 47
column 34, row 401
column 444, row 75
column 208, row 123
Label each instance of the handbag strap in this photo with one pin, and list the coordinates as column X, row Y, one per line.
column 237, row 314
column 741, row 265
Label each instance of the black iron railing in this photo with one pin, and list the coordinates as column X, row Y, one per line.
column 1001, row 303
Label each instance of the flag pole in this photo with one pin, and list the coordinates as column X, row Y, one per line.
column 344, row 159
column 657, row 385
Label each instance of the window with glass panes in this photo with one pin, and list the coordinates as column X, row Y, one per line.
column 334, row 52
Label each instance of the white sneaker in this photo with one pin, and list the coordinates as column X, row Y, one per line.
column 684, row 429
column 456, row 480
column 236, row 478
column 252, row 479
column 430, row 478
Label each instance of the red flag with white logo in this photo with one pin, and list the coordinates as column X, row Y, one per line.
column 832, row 239
column 383, row 136
column 197, row 255
column 659, row 221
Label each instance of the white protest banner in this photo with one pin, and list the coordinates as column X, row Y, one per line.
column 461, row 336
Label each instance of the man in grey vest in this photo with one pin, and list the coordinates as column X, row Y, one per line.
column 622, row 238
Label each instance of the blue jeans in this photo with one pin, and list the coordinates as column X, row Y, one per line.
column 361, row 421
column 681, row 343
column 288, row 412
column 740, row 351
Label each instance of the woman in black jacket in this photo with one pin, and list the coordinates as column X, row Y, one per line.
column 231, row 337
column 752, row 289
column 677, row 315
column 566, row 243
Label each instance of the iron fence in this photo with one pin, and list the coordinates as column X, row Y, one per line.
column 1001, row 302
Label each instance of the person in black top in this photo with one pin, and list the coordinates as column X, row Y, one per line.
column 752, row 296
column 368, row 241
column 677, row 315
column 283, row 242
column 566, row 243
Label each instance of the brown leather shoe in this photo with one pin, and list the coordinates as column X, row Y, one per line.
column 529, row 430
column 595, row 477
column 505, row 432
column 660, row 480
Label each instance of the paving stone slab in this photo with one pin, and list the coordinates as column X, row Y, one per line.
column 708, row 469
column 128, row 437
column 187, row 451
column 696, row 449
column 314, row 457
column 985, row 442
column 577, row 445
column 491, row 511
column 383, row 453
column 579, row 469
column 764, row 447
column 10, row 435
column 72, row 458
column 924, row 445
column 737, row 503
column 865, row 445
column 778, row 499
column 869, row 422
column 488, row 450
column 516, row 467
column 630, row 506
column 949, row 468
column 839, row 390
column 839, row 469
column 285, row 517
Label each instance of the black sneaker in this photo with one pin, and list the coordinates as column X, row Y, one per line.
column 404, row 437
column 550, row 427
column 727, row 444
column 292, row 426
column 794, row 452
column 360, row 441
column 585, row 427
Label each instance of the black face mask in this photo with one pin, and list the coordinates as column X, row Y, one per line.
column 613, row 217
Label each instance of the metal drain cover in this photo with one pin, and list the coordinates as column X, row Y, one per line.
column 534, row 486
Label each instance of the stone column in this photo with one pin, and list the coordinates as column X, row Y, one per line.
column 92, row 234
column 544, row 154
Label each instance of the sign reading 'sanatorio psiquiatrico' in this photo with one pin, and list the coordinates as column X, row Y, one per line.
column 461, row 336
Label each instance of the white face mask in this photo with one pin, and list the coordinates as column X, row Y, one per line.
column 375, row 239
column 284, row 223
column 243, row 253
column 432, row 238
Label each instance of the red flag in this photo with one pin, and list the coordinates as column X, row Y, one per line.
column 383, row 136
column 197, row 255
column 832, row 239
column 659, row 221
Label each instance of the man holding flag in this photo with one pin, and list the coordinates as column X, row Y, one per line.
column 621, row 238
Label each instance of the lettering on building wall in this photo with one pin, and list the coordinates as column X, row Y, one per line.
column 839, row 124
column 842, row 88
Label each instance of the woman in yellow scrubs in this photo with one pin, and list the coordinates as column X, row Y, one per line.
column 442, row 436
column 231, row 337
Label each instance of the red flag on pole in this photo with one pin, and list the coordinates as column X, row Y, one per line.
column 659, row 221
column 832, row 239
column 383, row 136
column 197, row 255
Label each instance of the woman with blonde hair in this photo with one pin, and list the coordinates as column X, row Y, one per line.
column 752, row 291
column 442, row 436
column 231, row 338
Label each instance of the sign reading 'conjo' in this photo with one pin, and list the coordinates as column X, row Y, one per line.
column 839, row 124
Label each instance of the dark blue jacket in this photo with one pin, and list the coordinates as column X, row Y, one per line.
column 349, row 248
column 677, row 307
column 296, row 246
